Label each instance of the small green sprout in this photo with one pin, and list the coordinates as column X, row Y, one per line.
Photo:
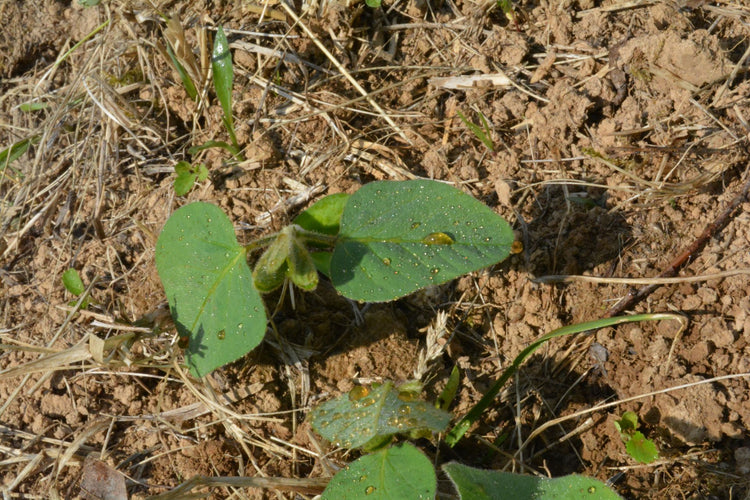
column 187, row 175
column 72, row 282
column 483, row 132
column 639, row 448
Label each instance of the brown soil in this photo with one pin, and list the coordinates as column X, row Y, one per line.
column 622, row 137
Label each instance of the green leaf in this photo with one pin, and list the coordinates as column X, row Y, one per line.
column 215, row 144
column 641, row 449
column 33, row 106
column 187, row 82
column 302, row 269
column 14, row 151
column 324, row 216
column 272, row 267
column 72, row 282
column 322, row 262
column 398, row 237
column 627, row 424
column 223, row 74
column 478, row 484
column 482, row 133
column 202, row 172
column 187, row 174
column 185, row 179
column 353, row 419
column 398, row 472
column 449, row 392
column 373, row 3
column 209, row 287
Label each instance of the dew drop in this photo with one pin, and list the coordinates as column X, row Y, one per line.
column 387, row 261
column 411, row 422
column 241, row 326
column 408, row 396
column 434, row 270
column 516, row 247
column 404, row 409
column 487, row 239
column 369, row 490
column 592, row 489
column 221, row 334
column 358, row 392
column 416, row 225
column 437, row 239
column 368, row 402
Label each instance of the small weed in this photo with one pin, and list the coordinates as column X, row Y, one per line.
column 187, row 175
column 72, row 282
column 482, row 132
column 639, row 448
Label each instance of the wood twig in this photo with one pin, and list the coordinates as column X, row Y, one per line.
column 711, row 230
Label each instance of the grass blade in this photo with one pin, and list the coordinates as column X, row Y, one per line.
column 223, row 74
column 463, row 425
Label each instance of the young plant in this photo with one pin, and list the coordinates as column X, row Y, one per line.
column 223, row 75
column 187, row 175
column 483, row 132
column 369, row 418
column 387, row 240
column 639, row 448
column 73, row 283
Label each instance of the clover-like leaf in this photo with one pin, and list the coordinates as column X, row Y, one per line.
column 398, row 237
column 209, row 287
column 353, row 419
column 478, row 484
column 394, row 472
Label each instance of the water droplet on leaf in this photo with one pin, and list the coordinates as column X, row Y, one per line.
column 358, row 392
column 369, row 490
column 437, row 239
column 221, row 334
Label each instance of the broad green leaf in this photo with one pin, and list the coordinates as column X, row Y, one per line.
column 373, row 3
column 397, row 472
column 72, row 282
column 209, row 287
column 324, row 216
column 641, row 449
column 478, row 484
column 322, row 262
column 353, row 419
column 398, row 237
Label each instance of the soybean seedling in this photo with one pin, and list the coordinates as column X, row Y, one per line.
column 385, row 241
